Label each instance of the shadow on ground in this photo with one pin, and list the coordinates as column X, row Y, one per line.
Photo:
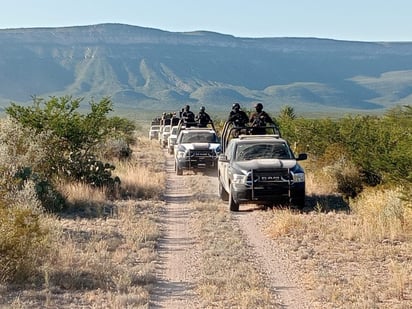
column 318, row 203
column 326, row 203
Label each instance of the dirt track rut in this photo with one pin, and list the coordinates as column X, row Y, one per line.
column 175, row 275
column 177, row 267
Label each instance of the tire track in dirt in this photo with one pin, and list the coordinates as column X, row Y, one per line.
column 176, row 269
column 273, row 260
column 175, row 282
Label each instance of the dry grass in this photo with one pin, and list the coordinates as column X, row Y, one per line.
column 112, row 255
column 360, row 259
column 103, row 251
column 228, row 277
column 320, row 182
column 382, row 214
column 143, row 176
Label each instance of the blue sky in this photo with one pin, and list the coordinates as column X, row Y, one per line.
column 358, row 20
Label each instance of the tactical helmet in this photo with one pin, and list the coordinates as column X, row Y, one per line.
column 258, row 106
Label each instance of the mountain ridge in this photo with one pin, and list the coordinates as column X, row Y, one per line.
column 147, row 68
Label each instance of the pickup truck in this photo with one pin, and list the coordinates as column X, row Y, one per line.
column 260, row 169
column 196, row 148
column 171, row 140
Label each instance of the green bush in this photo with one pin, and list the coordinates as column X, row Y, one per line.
column 122, row 129
column 23, row 157
column 349, row 181
column 88, row 169
column 49, row 197
column 69, row 130
column 24, row 238
column 379, row 148
column 76, row 138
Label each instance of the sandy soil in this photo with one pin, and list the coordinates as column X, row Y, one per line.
column 276, row 266
column 178, row 249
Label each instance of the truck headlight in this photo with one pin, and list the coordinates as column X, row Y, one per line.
column 181, row 152
column 239, row 179
column 299, row 177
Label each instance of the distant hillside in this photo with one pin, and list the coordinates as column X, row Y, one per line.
column 142, row 68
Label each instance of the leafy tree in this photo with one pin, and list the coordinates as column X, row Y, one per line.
column 122, row 128
column 380, row 147
column 310, row 135
column 287, row 113
column 72, row 135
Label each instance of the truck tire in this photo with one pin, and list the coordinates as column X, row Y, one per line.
column 233, row 206
column 224, row 196
column 298, row 201
column 178, row 170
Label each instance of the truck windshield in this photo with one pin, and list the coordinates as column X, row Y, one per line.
column 199, row 137
column 245, row 152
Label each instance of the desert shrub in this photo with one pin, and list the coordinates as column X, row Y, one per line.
column 50, row 198
column 349, row 181
column 122, row 129
column 383, row 214
column 20, row 147
column 70, row 131
column 309, row 135
column 379, row 147
column 74, row 137
column 23, row 235
column 116, row 148
column 23, row 158
column 88, row 169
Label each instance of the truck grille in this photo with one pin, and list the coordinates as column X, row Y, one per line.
column 270, row 183
column 271, row 176
column 201, row 153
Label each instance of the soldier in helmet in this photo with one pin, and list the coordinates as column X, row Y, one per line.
column 239, row 120
column 188, row 116
column 237, row 116
column 203, row 118
column 259, row 119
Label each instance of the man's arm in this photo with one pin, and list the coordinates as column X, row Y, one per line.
column 268, row 118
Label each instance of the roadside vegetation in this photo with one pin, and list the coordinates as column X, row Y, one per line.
column 80, row 195
column 353, row 244
column 228, row 275
column 77, row 214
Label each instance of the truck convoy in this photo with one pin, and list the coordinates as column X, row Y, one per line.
column 251, row 168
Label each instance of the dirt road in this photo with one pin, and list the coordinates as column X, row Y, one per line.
column 179, row 251
column 176, row 250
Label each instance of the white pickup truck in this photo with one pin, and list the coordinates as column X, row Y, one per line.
column 260, row 169
column 196, row 148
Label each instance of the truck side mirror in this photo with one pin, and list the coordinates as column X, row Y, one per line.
column 302, row 156
column 223, row 158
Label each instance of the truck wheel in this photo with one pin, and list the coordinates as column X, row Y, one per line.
column 233, row 206
column 299, row 201
column 178, row 170
column 222, row 192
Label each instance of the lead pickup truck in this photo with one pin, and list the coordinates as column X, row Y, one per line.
column 259, row 169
